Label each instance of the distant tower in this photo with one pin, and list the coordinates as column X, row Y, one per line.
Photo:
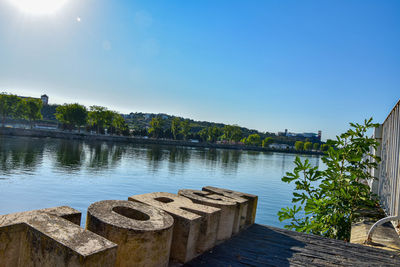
column 45, row 99
column 319, row 135
column 285, row 132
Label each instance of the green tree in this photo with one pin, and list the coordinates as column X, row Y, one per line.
column 328, row 200
column 203, row 133
column 231, row 133
column 213, row 133
column 185, row 128
column 10, row 107
column 308, row 146
column 32, row 108
column 20, row 112
column 80, row 115
column 253, row 140
column 324, row 147
column 236, row 133
column 119, row 124
column 97, row 117
column 299, row 146
column 63, row 115
column 267, row 141
column 109, row 116
column 227, row 132
column 315, row 146
column 72, row 115
column 156, row 125
column 175, row 127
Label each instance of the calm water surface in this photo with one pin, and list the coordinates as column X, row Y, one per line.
column 41, row 173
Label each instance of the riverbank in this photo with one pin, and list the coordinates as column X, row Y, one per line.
column 44, row 133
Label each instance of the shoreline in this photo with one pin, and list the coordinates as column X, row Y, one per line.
column 42, row 133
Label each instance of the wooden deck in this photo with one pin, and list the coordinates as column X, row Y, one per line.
column 270, row 246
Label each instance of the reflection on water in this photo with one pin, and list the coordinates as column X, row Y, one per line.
column 70, row 155
column 103, row 155
column 77, row 173
column 23, row 155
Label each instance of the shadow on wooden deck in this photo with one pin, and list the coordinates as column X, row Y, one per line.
column 270, row 246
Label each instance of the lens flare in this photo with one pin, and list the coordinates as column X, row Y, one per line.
column 38, row 7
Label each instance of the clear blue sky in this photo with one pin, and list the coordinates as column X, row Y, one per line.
column 267, row 65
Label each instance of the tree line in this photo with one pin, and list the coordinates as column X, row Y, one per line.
column 102, row 120
column 229, row 134
column 97, row 118
column 308, row 146
column 15, row 107
column 70, row 116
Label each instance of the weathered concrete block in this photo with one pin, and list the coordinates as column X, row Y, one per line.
column 196, row 226
column 241, row 212
column 229, row 210
column 252, row 200
column 143, row 233
column 65, row 212
column 43, row 238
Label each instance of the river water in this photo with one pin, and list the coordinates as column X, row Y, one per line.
column 38, row 173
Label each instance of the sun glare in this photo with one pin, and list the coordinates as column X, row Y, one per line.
column 38, row 7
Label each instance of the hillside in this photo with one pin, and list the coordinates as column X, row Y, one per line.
column 139, row 123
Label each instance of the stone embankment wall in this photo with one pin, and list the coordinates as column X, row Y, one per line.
column 154, row 229
column 138, row 140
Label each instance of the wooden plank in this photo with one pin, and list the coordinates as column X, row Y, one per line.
column 269, row 246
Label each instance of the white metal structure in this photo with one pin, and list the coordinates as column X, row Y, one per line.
column 387, row 186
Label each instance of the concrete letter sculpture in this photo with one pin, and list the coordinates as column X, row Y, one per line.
column 252, row 200
column 45, row 238
column 196, row 226
column 143, row 233
column 229, row 210
column 148, row 230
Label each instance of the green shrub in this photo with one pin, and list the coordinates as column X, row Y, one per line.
column 327, row 201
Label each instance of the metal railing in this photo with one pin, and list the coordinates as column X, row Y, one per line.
column 387, row 186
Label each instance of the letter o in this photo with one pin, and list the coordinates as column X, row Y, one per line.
column 143, row 233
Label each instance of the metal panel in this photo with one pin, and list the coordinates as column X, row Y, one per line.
column 389, row 171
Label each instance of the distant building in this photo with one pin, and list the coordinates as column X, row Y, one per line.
column 44, row 98
column 280, row 146
column 306, row 135
column 319, row 135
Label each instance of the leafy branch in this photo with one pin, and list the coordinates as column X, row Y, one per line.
column 330, row 199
